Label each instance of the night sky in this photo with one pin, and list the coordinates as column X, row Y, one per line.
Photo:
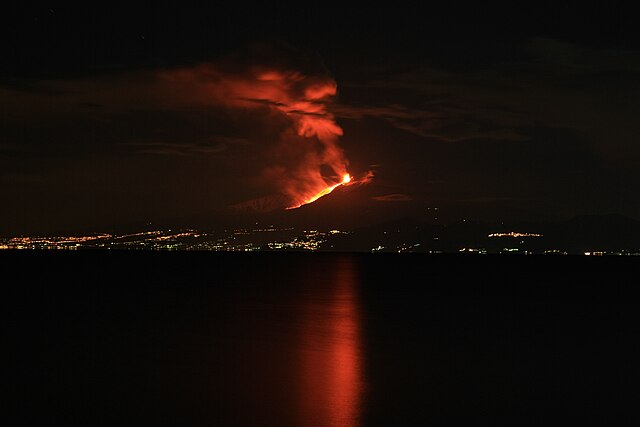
column 112, row 116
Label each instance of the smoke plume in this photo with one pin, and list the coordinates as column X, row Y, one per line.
column 307, row 157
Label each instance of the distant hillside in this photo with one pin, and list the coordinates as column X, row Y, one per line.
column 593, row 233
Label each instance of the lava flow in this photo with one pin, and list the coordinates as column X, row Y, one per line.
column 346, row 179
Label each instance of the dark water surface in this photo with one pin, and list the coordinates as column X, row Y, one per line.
column 181, row 339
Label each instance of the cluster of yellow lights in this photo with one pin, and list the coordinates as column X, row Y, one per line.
column 175, row 236
column 55, row 240
column 515, row 234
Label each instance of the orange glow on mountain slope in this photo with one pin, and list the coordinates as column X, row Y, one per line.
column 346, row 179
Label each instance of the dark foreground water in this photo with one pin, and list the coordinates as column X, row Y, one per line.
column 181, row 339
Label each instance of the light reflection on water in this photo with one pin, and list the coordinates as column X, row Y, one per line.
column 276, row 341
column 330, row 361
column 327, row 340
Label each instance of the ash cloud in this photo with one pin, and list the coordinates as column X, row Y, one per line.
column 291, row 101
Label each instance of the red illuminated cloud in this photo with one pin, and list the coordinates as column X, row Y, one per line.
column 310, row 159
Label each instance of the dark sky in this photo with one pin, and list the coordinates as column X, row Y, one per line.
column 113, row 115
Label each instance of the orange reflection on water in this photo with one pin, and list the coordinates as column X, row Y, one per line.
column 331, row 380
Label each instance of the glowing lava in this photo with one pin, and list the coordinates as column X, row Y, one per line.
column 346, row 178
